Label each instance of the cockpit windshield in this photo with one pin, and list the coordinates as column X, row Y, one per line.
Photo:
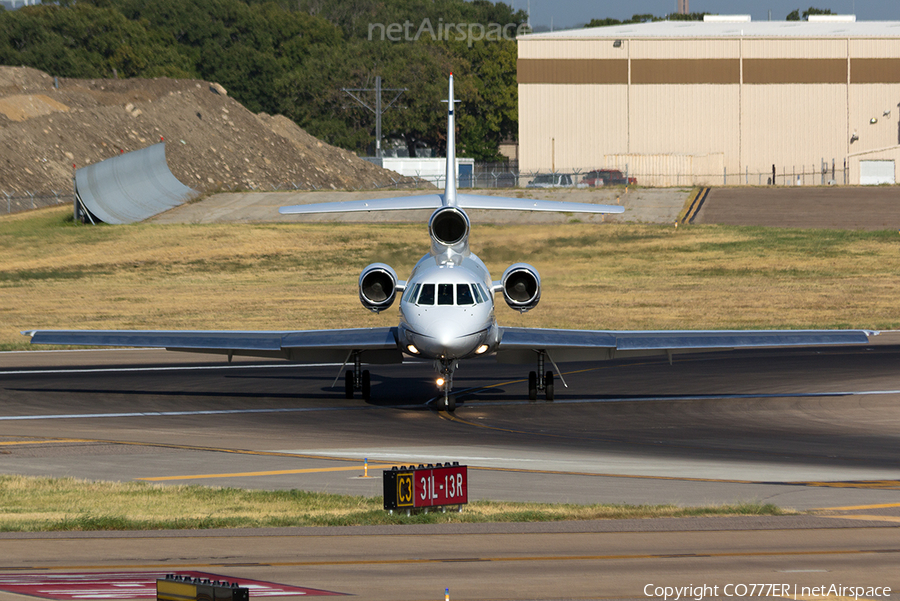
column 464, row 295
column 448, row 294
column 426, row 297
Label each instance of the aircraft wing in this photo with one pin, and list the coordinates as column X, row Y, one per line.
column 475, row 201
column 517, row 345
column 376, row 345
column 399, row 203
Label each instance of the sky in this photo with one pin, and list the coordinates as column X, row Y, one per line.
column 566, row 14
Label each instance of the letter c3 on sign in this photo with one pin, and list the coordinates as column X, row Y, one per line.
column 405, row 490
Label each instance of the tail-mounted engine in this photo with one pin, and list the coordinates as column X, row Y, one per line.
column 449, row 229
column 377, row 287
column 521, row 287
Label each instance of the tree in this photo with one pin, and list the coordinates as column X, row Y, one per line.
column 794, row 15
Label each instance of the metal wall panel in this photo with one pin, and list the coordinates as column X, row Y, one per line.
column 872, row 101
column 685, row 119
column 794, row 48
column 684, row 48
column 793, row 127
column 570, row 126
column 130, row 187
column 572, row 71
column 571, row 49
column 876, row 48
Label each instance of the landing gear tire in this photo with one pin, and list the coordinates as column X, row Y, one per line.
column 366, row 385
column 448, row 403
column 548, row 385
column 532, row 386
column 348, row 385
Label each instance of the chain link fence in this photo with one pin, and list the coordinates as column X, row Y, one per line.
column 16, row 202
column 508, row 175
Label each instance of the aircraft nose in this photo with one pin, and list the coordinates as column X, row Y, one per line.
column 444, row 338
column 443, row 333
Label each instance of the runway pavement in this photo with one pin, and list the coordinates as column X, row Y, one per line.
column 799, row 429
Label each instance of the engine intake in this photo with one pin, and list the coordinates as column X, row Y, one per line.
column 377, row 287
column 449, row 226
column 521, row 285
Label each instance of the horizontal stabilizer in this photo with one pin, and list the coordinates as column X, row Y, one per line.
column 464, row 201
column 399, row 203
column 474, row 201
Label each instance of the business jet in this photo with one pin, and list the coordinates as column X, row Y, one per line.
column 447, row 309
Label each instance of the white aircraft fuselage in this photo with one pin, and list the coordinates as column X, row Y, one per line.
column 447, row 309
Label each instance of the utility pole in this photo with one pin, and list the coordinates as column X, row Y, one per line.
column 377, row 110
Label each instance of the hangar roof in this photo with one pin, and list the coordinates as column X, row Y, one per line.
column 730, row 29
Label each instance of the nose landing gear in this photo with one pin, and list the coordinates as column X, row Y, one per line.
column 447, row 402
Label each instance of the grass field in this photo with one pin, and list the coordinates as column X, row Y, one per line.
column 56, row 274
column 29, row 504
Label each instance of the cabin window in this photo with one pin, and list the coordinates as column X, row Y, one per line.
column 464, row 295
column 445, row 294
column 426, row 297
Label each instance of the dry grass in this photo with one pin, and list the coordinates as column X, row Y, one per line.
column 30, row 504
column 55, row 274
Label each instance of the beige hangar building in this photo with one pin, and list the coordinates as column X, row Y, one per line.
column 705, row 103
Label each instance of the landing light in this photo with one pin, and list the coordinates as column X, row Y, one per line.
column 412, row 349
column 440, row 381
column 481, row 349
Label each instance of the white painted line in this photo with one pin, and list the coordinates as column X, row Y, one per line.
column 96, row 370
column 10, row 418
column 703, row 397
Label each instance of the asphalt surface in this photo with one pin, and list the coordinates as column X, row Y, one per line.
column 738, row 426
column 642, row 205
column 864, row 208
column 798, row 429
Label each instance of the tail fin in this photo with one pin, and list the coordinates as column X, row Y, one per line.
column 450, row 184
column 449, row 197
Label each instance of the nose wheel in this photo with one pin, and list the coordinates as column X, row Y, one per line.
column 540, row 380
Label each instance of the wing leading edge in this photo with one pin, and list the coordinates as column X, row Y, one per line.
column 375, row 345
column 517, row 345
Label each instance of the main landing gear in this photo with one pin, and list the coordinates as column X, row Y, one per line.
column 358, row 379
column 540, row 380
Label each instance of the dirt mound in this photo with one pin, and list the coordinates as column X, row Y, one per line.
column 212, row 141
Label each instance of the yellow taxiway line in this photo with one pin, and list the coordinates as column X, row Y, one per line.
column 348, row 468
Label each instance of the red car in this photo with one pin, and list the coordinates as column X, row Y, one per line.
column 607, row 177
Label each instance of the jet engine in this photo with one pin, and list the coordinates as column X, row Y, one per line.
column 377, row 287
column 521, row 287
column 449, row 229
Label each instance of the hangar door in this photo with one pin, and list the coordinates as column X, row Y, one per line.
column 872, row 173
